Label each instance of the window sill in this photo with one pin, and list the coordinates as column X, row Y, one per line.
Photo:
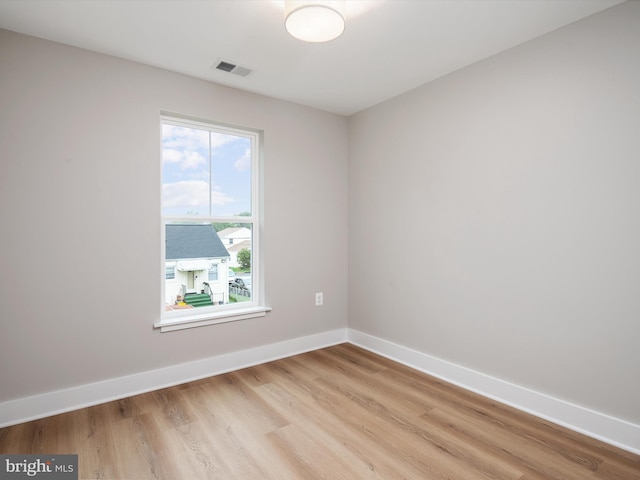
column 210, row 318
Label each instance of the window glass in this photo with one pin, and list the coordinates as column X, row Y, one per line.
column 169, row 272
column 205, row 173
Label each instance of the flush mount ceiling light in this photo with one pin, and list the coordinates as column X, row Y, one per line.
column 314, row 21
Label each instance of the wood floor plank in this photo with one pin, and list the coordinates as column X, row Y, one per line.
column 445, row 460
column 319, row 418
column 377, row 388
column 305, row 398
column 427, row 456
column 140, row 450
column 93, row 427
column 518, row 427
column 239, row 443
column 385, row 401
column 504, row 445
column 336, row 413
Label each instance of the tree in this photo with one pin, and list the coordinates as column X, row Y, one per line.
column 222, row 225
column 244, row 259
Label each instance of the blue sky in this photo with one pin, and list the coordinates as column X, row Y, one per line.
column 187, row 185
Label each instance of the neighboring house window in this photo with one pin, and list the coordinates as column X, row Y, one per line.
column 169, row 272
column 210, row 182
column 213, row 273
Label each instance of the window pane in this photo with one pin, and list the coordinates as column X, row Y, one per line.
column 213, row 272
column 186, row 170
column 200, row 263
column 231, row 178
column 205, row 173
column 169, row 272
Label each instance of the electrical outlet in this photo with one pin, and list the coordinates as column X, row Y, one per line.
column 319, row 299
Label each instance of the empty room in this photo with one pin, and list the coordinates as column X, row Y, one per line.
column 296, row 239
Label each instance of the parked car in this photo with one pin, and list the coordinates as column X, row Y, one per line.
column 237, row 282
column 242, row 287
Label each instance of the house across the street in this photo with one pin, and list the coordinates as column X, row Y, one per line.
column 235, row 239
column 196, row 262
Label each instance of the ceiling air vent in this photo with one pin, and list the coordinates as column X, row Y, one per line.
column 229, row 67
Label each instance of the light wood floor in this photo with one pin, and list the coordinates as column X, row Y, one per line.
column 336, row 413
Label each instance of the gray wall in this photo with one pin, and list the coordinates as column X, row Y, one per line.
column 80, row 210
column 493, row 220
column 507, row 196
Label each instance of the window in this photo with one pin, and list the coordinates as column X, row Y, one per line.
column 213, row 272
column 169, row 272
column 210, row 194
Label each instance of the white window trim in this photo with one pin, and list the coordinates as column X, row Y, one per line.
column 210, row 318
column 182, row 319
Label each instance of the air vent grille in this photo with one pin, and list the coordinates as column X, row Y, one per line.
column 233, row 68
column 227, row 67
column 242, row 71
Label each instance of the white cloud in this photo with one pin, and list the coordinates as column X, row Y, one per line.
column 220, row 139
column 192, row 160
column 190, row 147
column 186, row 159
column 171, row 155
column 192, row 196
column 244, row 162
column 188, row 196
column 182, row 138
column 220, row 198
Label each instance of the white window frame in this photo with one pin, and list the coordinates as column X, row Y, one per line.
column 256, row 307
column 217, row 273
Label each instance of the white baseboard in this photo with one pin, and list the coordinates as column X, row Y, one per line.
column 611, row 430
column 614, row 431
column 52, row 403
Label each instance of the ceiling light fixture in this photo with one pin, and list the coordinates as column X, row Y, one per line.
column 314, row 21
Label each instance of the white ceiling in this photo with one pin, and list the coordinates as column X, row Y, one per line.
column 389, row 47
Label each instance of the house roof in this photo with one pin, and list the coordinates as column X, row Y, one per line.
column 193, row 241
column 228, row 232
